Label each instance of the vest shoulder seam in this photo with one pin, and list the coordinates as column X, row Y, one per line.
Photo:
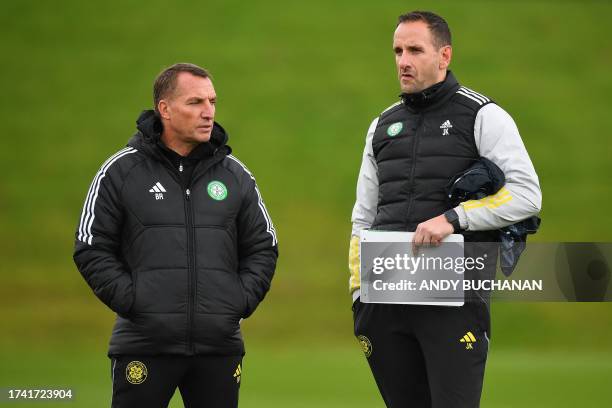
column 471, row 99
column 387, row 110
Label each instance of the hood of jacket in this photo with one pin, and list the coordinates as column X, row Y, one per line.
column 149, row 130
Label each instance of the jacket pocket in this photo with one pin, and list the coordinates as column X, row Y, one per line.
column 132, row 308
column 160, row 290
column 220, row 291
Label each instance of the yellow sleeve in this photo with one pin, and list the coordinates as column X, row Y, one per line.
column 353, row 260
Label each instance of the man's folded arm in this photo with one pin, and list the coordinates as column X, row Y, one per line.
column 498, row 139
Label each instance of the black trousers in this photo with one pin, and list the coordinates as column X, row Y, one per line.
column 425, row 356
column 150, row 381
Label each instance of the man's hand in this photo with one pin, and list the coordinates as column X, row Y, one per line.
column 431, row 232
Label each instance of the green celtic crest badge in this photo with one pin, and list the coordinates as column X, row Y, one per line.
column 217, row 190
column 394, row 129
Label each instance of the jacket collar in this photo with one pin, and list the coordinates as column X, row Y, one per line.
column 148, row 139
column 432, row 96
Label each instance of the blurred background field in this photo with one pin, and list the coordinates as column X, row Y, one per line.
column 298, row 84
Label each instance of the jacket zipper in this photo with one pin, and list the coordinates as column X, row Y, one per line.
column 191, row 273
column 191, row 253
column 190, row 246
column 191, row 258
column 413, row 168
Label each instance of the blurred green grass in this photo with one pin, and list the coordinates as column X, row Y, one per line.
column 339, row 377
column 298, row 84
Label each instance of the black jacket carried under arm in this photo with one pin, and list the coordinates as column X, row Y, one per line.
column 180, row 260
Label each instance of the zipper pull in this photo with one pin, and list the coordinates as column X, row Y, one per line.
column 188, row 193
column 181, row 167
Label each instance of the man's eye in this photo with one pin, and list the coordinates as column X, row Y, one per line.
column 213, row 102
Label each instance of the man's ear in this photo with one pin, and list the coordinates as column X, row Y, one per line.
column 446, row 54
column 163, row 108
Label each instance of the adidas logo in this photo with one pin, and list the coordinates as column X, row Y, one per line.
column 238, row 373
column 158, row 190
column 468, row 339
column 445, row 127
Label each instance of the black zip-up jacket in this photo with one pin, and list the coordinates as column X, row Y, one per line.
column 179, row 259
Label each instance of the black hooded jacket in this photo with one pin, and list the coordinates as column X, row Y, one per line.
column 180, row 248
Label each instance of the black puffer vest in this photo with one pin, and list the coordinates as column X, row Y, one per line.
column 419, row 145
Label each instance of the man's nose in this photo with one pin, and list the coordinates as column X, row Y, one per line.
column 208, row 111
column 404, row 61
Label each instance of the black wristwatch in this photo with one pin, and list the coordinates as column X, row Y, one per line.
column 453, row 218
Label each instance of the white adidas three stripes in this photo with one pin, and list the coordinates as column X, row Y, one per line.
column 88, row 214
column 473, row 95
column 269, row 226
